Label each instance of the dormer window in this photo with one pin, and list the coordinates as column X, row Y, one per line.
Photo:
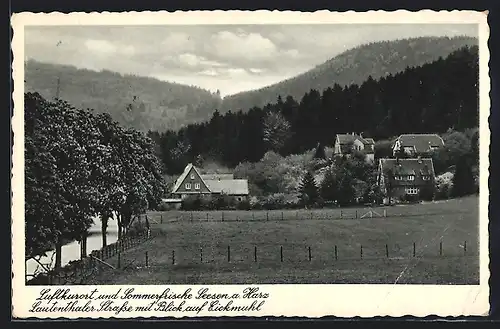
column 188, row 186
column 411, row 177
column 192, row 176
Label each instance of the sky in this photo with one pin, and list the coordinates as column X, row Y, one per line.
column 228, row 58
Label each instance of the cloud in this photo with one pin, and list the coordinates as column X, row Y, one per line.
column 178, row 42
column 100, row 46
column 104, row 47
column 256, row 70
column 241, row 45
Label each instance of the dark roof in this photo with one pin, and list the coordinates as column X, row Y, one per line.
column 228, row 186
column 406, row 167
column 350, row 138
column 421, row 142
column 216, row 176
column 216, row 183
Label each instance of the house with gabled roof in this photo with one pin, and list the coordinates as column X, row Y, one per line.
column 345, row 144
column 414, row 145
column 192, row 182
column 405, row 178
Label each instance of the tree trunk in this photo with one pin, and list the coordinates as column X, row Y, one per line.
column 104, row 228
column 58, row 263
column 83, row 246
column 119, row 221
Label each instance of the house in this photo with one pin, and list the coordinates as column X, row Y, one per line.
column 191, row 182
column 406, row 178
column 346, row 143
column 414, row 145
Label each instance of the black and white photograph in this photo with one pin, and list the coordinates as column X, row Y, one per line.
column 275, row 154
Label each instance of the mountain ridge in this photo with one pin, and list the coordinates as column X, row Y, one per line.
column 423, row 50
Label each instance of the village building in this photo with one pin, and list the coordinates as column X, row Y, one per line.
column 345, row 144
column 191, row 182
column 405, row 179
column 413, row 145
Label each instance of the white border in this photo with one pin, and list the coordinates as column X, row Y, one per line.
column 285, row 300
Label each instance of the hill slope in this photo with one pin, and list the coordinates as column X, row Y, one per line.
column 139, row 102
column 158, row 105
column 354, row 66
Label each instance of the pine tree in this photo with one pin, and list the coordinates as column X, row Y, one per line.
column 328, row 188
column 308, row 189
column 320, row 151
column 463, row 180
column 346, row 191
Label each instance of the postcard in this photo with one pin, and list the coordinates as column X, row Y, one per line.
column 250, row 163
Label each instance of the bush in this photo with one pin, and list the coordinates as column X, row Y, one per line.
column 427, row 192
column 137, row 228
column 444, row 185
column 191, row 203
column 243, row 205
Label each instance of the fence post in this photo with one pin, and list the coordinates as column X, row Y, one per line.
column 253, row 216
column 222, row 216
column 336, row 254
column 356, row 214
column 228, row 254
column 414, row 249
column 282, row 215
column 311, row 215
column 361, row 251
column 341, row 214
column 119, row 259
column 173, row 257
column 201, row 255
column 255, row 254
column 281, row 253
column 267, row 215
column 161, row 218
column 309, row 250
column 385, row 213
column 386, row 250
column 146, row 259
column 465, row 248
column 191, row 216
column 441, row 248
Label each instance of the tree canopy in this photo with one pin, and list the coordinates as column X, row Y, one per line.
column 78, row 166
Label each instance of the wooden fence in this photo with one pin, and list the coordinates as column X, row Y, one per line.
column 79, row 271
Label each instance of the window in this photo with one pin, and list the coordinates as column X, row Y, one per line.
column 192, row 176
column 426, row 177
column 188, row 186
column 197, row 186
column 412, row 190
column 411, row 177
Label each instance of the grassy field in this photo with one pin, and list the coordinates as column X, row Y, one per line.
column 250, row 248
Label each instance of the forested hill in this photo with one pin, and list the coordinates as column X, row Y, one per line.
column 377, row 59
column 150, row 104
column 434, row 97
column 138, row 102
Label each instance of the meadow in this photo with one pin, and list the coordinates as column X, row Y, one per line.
column 433, row 243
